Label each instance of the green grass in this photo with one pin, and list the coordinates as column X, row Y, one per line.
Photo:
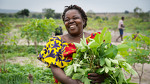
column 17, row 74
column 21, row 49
column 18, row 51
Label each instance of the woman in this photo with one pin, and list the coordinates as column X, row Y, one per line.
column 58, row 51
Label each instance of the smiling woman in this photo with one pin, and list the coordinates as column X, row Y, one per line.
column 74, row 22
column 59, row 50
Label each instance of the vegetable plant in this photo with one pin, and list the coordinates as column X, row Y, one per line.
column 38, row 30
column 139, row 51
column 99, row 56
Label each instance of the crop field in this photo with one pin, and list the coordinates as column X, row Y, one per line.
column 21, row 42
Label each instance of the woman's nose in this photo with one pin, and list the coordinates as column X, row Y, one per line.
column 71, row 20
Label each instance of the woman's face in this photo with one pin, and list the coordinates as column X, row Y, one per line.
column 74, row 22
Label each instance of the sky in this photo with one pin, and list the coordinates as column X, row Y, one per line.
column 97, row 6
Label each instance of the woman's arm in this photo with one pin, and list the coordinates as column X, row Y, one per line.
column 96, row 78
column 61, row 76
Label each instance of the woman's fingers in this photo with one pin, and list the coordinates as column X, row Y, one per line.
column 93, row 74
column 93, row 78
column 97, row 81
column 96, row 78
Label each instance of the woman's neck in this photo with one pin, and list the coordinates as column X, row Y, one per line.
column 75, row 36
column 70, row 39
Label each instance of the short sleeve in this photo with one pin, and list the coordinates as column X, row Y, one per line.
column 52, row 53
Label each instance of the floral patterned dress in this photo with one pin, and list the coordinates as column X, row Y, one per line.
column 59, row 52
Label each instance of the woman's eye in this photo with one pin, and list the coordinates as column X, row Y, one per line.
column 75, row 18
column 66, row 20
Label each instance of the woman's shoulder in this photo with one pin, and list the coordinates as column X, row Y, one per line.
column 54, row 38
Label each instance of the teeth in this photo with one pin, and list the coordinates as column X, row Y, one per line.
column 71, row 26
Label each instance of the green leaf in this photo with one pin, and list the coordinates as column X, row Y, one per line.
column 77, row 45
column 83, row 49
column 114, row 61
column 133, row 72
column 100, row 70
column 87, row 70
column 104, row 30
column 119, row 58
column 122, row 47
column 69, row 70
column 120, row 79
column 102, row 61
column 102, row 35
column 128, row 80
column 86, row 80
column 82, row 71
column 101, row 50
column 93, row 44
column 128, row 66
column 85, row 56
column 83, row 42
column 117, row 73
column 75, row 66
column 111, row 68
column 74, row 55
column 111, row 52
column 106, row 69
column 107, row 37
column 97, row 39
column 108, row 62
column 77, row 76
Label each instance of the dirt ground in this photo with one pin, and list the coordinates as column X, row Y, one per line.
column 115, row 34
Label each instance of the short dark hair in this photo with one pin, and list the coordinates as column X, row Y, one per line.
column 122, row 17
column 83, row 15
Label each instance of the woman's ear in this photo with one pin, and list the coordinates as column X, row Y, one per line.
column 83, row 22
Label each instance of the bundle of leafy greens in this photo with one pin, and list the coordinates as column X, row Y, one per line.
column 99, row 56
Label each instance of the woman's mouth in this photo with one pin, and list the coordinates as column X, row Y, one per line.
column 72, row 27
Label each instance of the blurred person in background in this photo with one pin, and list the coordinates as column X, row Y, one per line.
column 135, row 35
column 58, row 31
column 121, row 28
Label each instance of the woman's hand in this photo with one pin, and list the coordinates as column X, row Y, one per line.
column 79, row 82
column 96, row 78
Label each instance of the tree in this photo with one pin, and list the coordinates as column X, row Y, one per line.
column 4, row 29
column 33, row 15
column 39, row 16
column 99, row 19
column 137, row 10
column 25, row 12
column 22, row 13
column 38, row 30
column 49, row 13
column 139, row 51
column 126, row 12
column 57, row 16
column 90, row 13
column 139, row 13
